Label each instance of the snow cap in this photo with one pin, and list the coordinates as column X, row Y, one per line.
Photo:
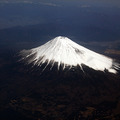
column 64, row 51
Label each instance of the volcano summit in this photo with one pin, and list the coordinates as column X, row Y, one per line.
column 63, row 51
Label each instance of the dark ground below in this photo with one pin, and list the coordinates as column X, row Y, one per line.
column 28, row 94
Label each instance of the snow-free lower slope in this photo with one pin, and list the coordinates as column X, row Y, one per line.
column 64, row 51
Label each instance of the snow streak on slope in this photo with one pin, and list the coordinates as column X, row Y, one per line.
column 64, row 51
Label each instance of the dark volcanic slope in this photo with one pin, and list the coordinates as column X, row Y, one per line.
column 27, row 93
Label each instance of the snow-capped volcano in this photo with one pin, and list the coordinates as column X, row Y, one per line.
column 62, row 50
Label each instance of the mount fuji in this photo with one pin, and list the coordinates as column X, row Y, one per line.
column 60, row 80
column 68, row 54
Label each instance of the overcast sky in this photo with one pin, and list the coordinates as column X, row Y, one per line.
column 104, row 2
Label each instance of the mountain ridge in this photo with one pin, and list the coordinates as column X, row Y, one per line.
column 62, row 50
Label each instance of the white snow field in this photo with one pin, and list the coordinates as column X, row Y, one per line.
column 64, row 51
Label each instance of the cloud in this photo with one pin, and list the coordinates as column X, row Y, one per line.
column 49, row 4
column 30, row 2
column 85, row 6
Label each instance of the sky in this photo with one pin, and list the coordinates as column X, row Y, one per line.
column 94, row 2
column 88, row 20
column 7, row 13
